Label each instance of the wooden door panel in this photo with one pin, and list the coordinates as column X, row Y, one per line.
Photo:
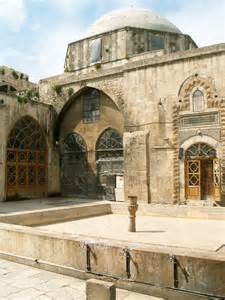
column 216, row 178
column 193, row 175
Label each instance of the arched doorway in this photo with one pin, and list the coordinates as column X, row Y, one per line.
column 109, row 159
column 201, row 172
column 74, row 171
column 26, row 170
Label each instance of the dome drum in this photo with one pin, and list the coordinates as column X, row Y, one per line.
column 121, row 35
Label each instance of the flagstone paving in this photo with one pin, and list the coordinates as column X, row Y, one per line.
column 21, row 282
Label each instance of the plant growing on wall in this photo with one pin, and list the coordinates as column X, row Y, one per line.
column 15, row 74
column 70, row 92
column 2, row 71
column 28, row 95
column 57, row 89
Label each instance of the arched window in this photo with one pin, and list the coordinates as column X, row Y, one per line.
column 6, row 88
column 110, row 144
column 74, row 170
column 198, row 100
column 200, row 150
column 26, row 158
column 109, row 159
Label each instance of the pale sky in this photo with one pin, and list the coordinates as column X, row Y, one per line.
column 34, row 33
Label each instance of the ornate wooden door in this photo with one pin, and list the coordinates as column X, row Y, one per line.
column 193, row 179
column 207, row 186
column 216, row 178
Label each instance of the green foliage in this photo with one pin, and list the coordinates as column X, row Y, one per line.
column 70, row 92
column 98, row 66
column 2, row 71
column 15, row 74
column 28, row 95
column 57, row 89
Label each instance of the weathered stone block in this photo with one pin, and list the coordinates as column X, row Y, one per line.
column 100, row 290
column 136, row 165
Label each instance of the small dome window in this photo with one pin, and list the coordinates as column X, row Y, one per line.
column 95, row 47
column 157, row 42
column 198, row 102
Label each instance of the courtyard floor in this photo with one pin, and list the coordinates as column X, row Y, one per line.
column 20, row 282
column 176, row 232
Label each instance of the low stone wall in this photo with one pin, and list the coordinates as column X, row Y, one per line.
column 57, row 214
column 182, row 273
column 174, row 211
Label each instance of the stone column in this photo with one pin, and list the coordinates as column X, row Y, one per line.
column 132, row 208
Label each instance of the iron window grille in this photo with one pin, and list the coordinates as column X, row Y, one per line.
column 91, row 106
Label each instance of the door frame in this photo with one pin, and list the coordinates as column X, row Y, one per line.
column 188, row 188
column 184, row 146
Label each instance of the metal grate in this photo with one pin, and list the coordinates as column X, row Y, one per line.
column 74, row 171
column 91, row 106
column 26, row 158
column 109, row 155
column 201, row 150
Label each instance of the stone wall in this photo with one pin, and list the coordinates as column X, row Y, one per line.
column 10, row 113
column 122, row 44
column 136, row 166
column 147, row 92
column 18, row 80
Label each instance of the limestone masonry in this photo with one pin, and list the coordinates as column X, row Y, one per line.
column 139, row 111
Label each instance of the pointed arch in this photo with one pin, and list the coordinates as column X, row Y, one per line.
column 205, row 85
column 74, row 169
column 109, row 160
column 84, row 90
column 109, row 143
column 26, row 167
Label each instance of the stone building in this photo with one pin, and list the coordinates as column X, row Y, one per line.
column 139, row 110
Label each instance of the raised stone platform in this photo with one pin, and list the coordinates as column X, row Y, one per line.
column 206, row 235
column 172, row 258
column 173, row 211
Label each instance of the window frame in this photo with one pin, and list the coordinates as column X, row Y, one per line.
column 93, row 117
column 192, row 100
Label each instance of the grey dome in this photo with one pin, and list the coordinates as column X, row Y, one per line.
column 132, row 17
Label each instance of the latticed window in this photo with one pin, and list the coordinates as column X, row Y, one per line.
column 74, row 165
column 110, row 144
column 198, row 100
column 91, row 106
column 74, row 143
column 201, row 150
column 109, row 155
column 26, row 158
